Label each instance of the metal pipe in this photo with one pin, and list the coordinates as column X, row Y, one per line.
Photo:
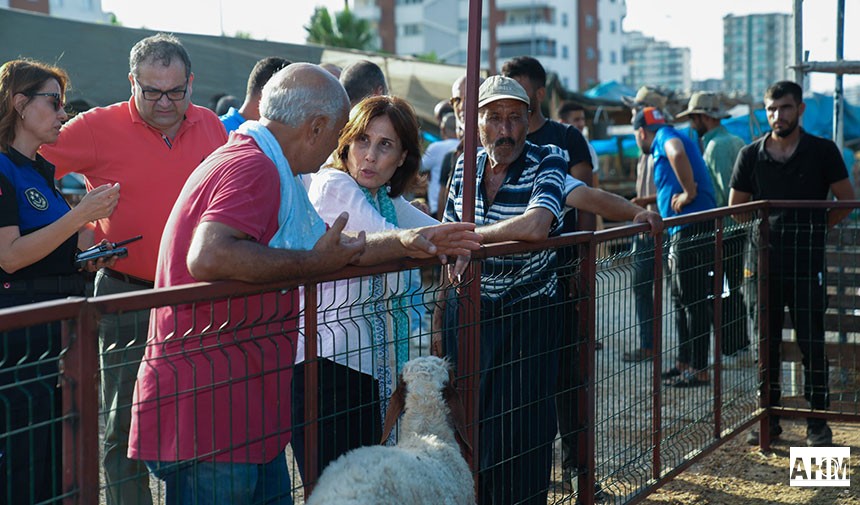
column 838, row 97
column 797, row 13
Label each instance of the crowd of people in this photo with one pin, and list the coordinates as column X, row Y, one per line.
column 308, row 175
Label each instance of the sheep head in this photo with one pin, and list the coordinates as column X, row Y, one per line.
column 429, row 375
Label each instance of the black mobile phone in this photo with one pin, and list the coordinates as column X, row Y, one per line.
column 94, row 254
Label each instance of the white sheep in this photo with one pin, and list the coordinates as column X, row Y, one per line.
column 425, row 467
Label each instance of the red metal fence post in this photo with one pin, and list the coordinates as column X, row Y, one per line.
column 79, row 367
column 311, row 371
column 588, row 281
column 469, row 361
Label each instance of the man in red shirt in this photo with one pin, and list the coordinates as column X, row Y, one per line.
column 149, row 145
column 211, row 413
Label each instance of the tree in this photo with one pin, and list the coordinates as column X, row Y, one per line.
column 346, row 31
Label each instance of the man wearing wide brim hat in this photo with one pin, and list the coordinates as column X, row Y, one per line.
column 720, row 150
column 708, row 104
column 646, row 96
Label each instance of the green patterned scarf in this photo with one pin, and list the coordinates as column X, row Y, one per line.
column 378, row 323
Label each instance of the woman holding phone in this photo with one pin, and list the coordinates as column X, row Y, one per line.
column 39, row 237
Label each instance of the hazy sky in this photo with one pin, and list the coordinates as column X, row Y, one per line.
column 696, row 24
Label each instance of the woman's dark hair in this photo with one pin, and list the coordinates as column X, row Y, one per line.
column 405, row 124
column 26, row 77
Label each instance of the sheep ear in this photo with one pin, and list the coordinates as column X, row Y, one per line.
column 458, row 416
column 395, row 408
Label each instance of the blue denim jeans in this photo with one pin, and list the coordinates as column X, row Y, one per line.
column 208, row 483
column 643, row 288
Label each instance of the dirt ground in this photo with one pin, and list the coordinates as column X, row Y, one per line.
column 738, row 474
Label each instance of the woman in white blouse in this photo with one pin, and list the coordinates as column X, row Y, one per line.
column 363, row 325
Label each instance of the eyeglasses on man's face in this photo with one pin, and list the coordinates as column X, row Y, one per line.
column 57, row 99
column 154, row 95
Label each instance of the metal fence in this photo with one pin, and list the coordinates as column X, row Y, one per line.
column 565, row 370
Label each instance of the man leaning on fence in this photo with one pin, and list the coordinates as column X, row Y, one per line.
column 149, row 145
column 519, row 196
column 683, row 187
column 211, row 414
column 720, row 151
column 790, row 164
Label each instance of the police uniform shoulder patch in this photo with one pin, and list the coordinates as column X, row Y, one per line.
column 36, row 199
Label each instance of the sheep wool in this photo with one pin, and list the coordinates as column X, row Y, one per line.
column 425, row 467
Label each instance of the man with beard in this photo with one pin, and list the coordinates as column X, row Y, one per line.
column 790, row 164
column 521, row 190
column 519, row 196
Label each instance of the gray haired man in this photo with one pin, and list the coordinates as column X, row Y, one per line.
column 244, row 216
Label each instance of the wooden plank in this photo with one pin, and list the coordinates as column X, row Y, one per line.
column 843, row 279
column 842, row 406
column 844, row 236
column 840, row 355
column 841, row 322
column 844, row 301
column 843, row 258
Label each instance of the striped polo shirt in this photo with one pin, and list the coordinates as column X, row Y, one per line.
column 535, row 179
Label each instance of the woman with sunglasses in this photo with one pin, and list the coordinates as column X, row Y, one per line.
column 39, row 237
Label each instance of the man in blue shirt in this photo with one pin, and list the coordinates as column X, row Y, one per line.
column 683, row 186
column 250, row 109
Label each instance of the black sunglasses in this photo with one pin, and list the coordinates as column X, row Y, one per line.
column 58, row 99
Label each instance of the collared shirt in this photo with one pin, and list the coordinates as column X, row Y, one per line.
column 535, row 179
column 344, row 332
column 215, row 378
column 232, row 119
column 667, row 182
column 114, row 144
column 721, row 152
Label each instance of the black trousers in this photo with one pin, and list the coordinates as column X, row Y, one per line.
column 348, row 412
column 691, row 259
column 31, row 444
column 570, row 378
column 516, row 410
column 805, row 296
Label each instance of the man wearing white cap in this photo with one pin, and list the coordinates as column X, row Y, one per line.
column 519, row 196
column 521, row 191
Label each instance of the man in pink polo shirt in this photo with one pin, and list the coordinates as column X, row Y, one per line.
column 211, row 413
column 149, row 145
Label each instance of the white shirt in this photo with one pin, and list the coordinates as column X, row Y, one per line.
column 432, row 161
column 343, row 334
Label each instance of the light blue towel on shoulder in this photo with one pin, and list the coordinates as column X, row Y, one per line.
column 299, row 224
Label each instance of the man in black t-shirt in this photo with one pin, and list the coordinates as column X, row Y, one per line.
column 791, row 164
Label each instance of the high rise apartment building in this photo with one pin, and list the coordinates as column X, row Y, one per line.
column 565, row 35
column 79, row 10
column 757, row 50
column 656, row 63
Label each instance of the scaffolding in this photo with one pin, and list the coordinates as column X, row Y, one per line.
column 839, row 67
